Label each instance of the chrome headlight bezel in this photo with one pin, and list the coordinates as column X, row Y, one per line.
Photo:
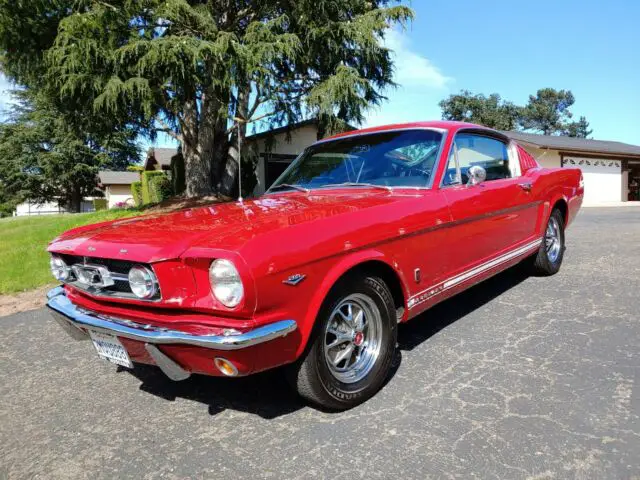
column 142, row 282
column 226, row 283
column 59, row 268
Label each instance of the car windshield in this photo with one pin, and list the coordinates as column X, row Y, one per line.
column 389, row 159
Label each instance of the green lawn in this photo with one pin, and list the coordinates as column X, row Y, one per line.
column 24, row 261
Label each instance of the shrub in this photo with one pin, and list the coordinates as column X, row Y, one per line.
column 156, row 187
column 160, row 188
column 136, row 193
column 99, row 204
column 177, row 174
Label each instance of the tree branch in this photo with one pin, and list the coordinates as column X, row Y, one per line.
column 168, row 130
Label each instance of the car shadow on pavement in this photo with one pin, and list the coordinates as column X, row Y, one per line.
column 266, row 394
column 269, row 395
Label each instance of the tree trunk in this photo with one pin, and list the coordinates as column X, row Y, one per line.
column 75, row 202
column 197, row 172
column 197, row 164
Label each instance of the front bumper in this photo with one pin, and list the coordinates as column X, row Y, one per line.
column 76, row 320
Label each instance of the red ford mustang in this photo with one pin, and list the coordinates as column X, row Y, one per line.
column 363, row 231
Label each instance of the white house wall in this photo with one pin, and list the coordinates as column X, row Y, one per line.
column 300, row 139
column 545, row 158
column 118, row 193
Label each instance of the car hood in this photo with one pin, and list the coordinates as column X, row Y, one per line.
column 229, row 226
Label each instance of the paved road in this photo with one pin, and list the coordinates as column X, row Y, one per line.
column 517, row 378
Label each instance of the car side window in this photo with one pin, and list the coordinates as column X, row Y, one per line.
column 471, row 149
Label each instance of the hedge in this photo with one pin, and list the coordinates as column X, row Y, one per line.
column 156, row 187
column 136, row 193
column 99, row 204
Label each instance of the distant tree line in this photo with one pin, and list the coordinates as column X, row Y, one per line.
column 547, row 112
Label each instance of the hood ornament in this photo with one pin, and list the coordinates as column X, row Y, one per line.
column 294, row 280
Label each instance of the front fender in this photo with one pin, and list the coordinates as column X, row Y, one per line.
column 337, row 271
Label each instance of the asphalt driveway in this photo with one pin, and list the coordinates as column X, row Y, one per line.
column 517, row 378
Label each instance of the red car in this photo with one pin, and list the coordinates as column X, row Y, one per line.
column 363, row 231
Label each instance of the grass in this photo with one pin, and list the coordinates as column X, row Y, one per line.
column 24, row 261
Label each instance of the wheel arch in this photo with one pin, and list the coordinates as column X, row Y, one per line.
column 562, row 205
column 370, row 261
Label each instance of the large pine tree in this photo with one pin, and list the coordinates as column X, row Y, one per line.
column 203, row 70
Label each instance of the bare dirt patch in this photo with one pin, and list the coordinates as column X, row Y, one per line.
column 23, row 301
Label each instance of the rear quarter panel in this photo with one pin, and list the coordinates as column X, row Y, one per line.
column 552, row 185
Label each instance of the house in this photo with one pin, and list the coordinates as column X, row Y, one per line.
column 117, row 186
column 276, row 148
column 611, row 170
column 28, row 208
column 159, row 159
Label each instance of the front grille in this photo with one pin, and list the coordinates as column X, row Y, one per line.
column 119, row 270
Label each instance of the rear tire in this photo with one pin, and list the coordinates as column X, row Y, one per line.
column 352, row 346
column 549, row 258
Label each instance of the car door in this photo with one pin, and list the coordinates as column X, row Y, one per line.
column 491, row 218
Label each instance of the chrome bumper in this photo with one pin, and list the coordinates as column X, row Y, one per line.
column 73, row 319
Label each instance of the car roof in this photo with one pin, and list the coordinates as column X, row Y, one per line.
column 438, row 124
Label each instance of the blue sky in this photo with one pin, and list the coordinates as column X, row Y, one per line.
column 514, row 48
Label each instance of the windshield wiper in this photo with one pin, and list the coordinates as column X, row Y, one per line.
column 288, row 185
column 358, row 184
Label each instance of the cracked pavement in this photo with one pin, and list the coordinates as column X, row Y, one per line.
column 519, row 377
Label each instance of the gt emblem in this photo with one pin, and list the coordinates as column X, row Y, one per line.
column 294, row 280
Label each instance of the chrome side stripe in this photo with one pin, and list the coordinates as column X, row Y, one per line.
column 426, row 294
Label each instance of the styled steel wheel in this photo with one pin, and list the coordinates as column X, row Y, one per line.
column 553, row 240
column 549, row 257
column 352, row 338
column 349, row 355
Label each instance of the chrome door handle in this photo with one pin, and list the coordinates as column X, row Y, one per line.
column 525, row 186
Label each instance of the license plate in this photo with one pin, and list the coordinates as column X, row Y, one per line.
column 109, row 348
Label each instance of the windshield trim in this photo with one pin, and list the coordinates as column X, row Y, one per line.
column 429, row 185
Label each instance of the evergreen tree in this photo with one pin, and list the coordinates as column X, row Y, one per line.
column 44, row 158
column 491, row 111
column 202, row 71
column 548, row 111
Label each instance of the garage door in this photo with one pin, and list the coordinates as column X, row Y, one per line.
column 275, row 165
column 602, row 178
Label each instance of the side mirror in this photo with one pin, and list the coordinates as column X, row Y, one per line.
column 476, row 175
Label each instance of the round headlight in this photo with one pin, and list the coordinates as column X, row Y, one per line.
column 142, row 282
column 59, row 269
column 226, row 284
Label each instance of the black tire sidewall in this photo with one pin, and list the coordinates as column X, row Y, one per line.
column 547, row 265
column 358, row 392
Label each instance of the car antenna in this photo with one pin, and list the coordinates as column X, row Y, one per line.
column 239, row 122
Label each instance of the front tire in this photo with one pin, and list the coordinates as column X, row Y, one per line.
column 551, row 253
column 352, row 347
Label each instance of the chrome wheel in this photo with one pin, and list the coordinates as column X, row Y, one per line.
column 553, row 240
column 352, row 338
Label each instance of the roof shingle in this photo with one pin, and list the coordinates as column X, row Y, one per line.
column 118, row 178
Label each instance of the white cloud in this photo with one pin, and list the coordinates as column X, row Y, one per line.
column 421, row 85
column 412, row 68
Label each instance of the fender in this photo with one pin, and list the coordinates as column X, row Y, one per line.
column 336, row 271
